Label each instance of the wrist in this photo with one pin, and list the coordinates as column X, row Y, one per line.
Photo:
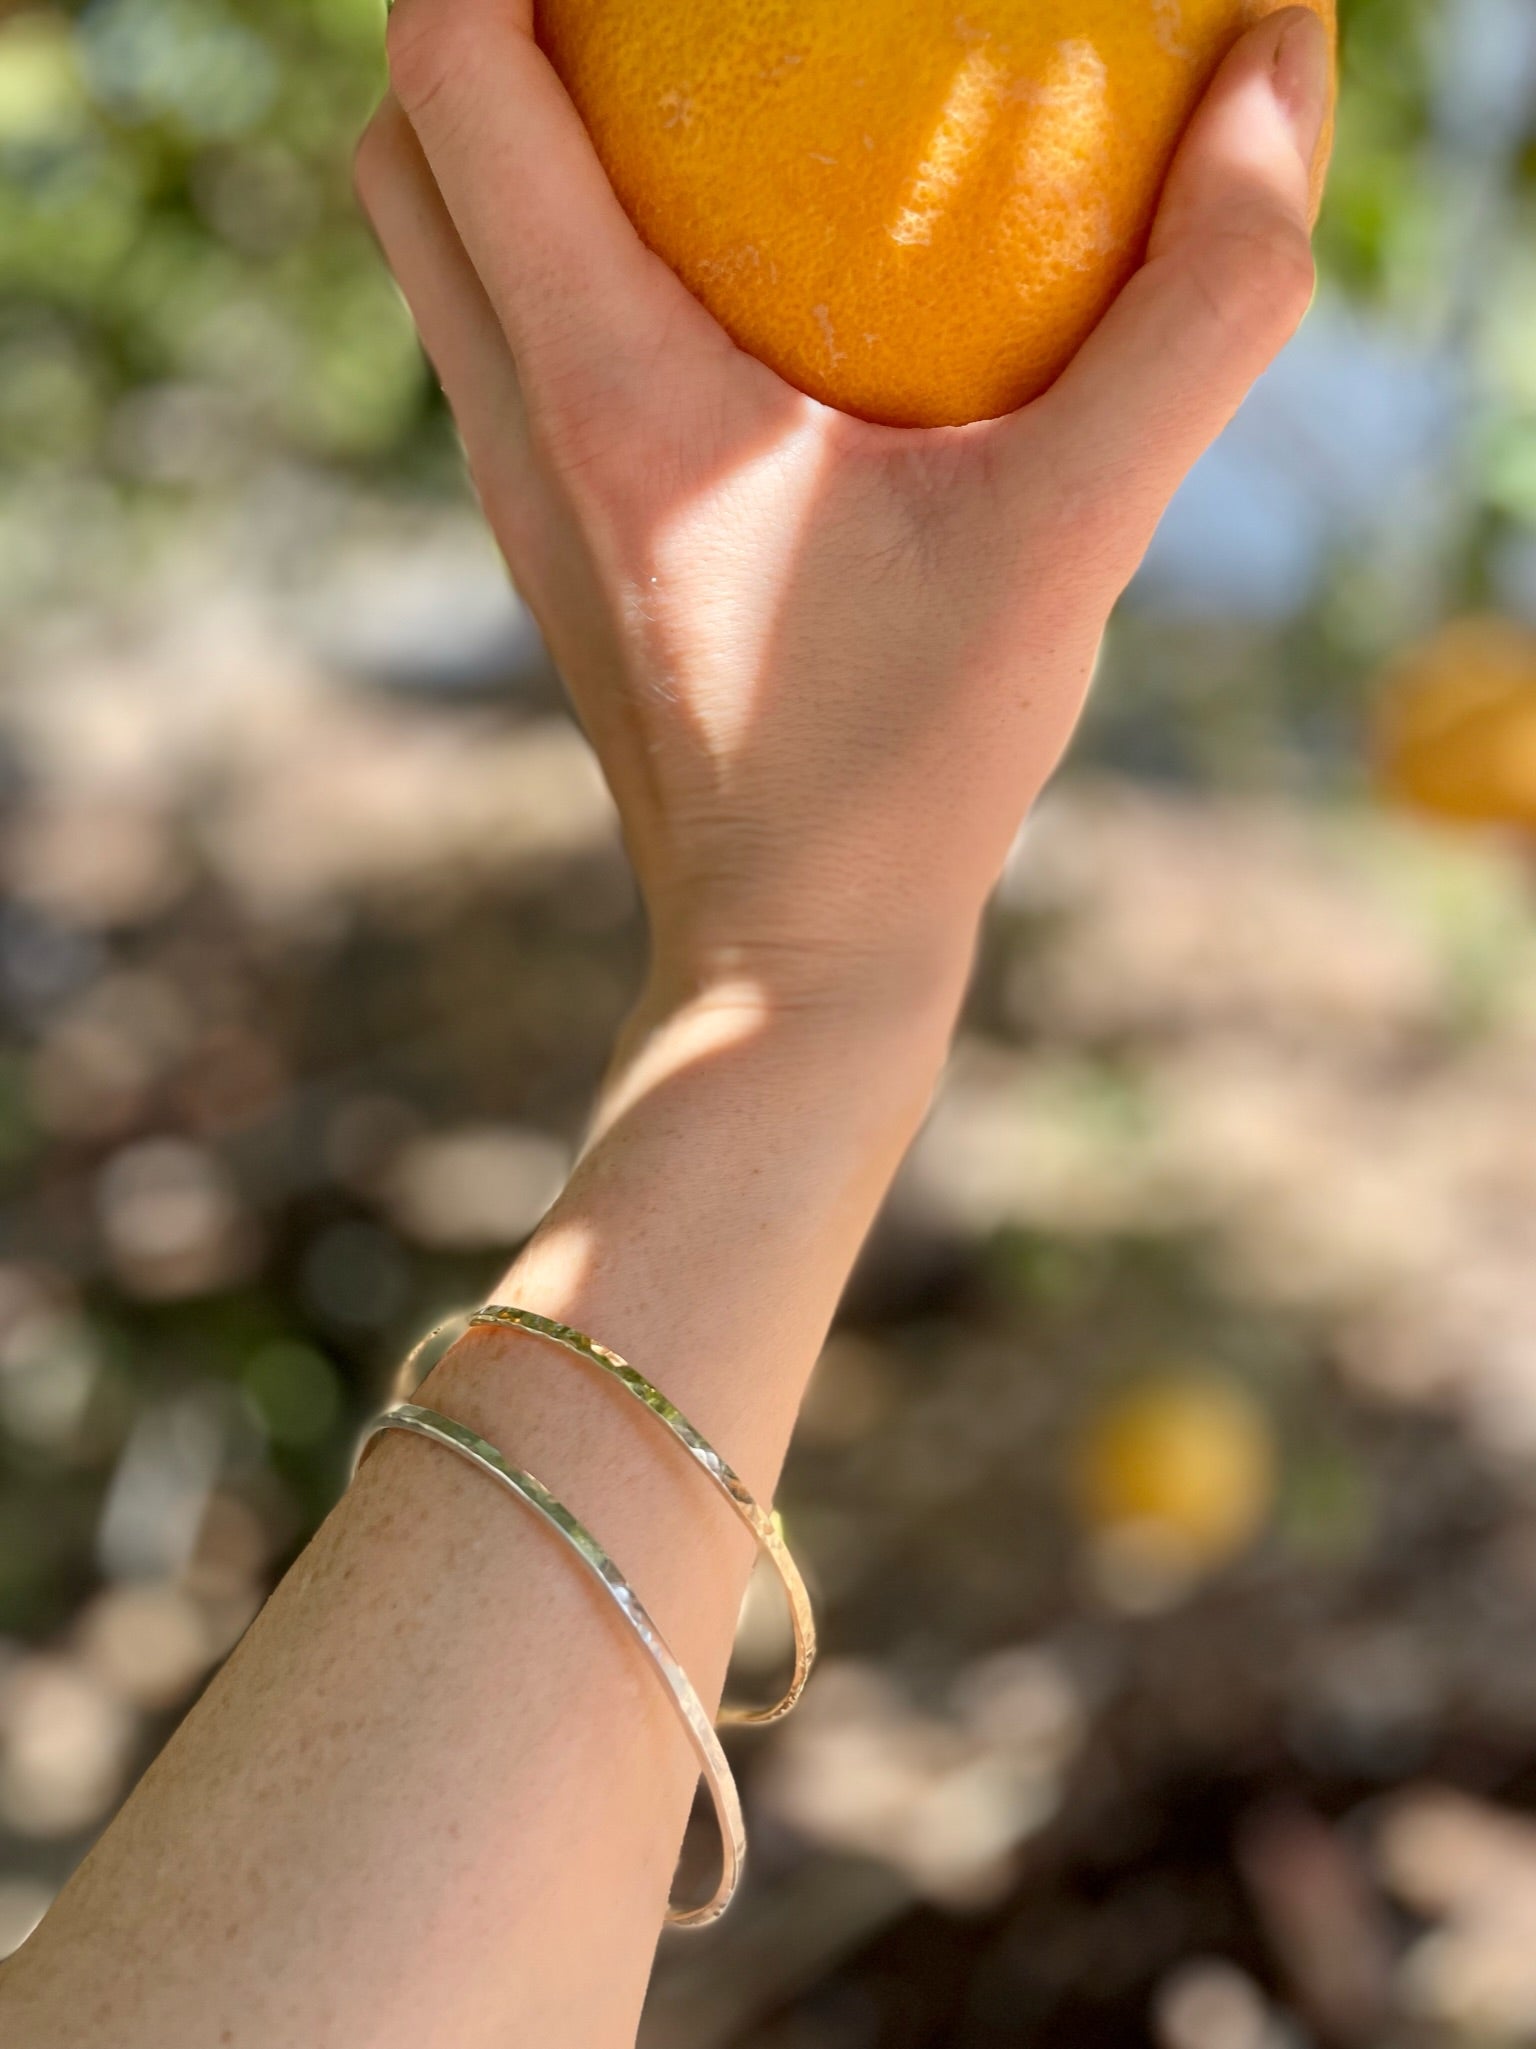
column 795, row 1008
column 832, row 1060
column 788, row 1028
column 840, row 932
column 813, row 985
column 739, row 1152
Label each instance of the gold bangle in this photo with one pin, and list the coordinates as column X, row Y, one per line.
column 765, row 1527
column 420, row 1422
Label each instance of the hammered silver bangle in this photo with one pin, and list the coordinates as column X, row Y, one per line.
column 765, row 1526
column 454, row 1437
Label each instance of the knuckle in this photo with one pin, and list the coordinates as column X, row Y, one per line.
column 420, row 41
column 1258, row 277
column 1291, row 274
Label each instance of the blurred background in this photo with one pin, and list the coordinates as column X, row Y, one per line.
column 1169, row 1484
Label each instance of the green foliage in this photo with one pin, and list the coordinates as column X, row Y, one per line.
column 185, row 282
column 189, row 296
column 1379, row 189
column 186, row 286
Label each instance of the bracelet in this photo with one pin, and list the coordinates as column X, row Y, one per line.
column 765, row 1527
column 716, row 1771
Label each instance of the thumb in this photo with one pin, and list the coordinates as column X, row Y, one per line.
column 1227, row 280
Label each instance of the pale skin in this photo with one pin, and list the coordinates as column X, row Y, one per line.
column 434, row 1800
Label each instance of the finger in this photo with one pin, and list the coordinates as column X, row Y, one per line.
column 569, row 277
column 1227, row 280
column 458, row 326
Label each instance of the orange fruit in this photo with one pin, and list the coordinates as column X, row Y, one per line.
column 1456, row 724
column 915, row 210
column 1183, row 1466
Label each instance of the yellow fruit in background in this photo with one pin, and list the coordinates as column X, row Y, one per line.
column 1183, row 1467
column 1456, row 724
column 912, row 210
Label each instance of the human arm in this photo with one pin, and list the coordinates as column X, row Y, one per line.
column 432, row 1798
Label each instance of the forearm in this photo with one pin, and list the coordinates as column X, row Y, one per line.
column 436, row 1795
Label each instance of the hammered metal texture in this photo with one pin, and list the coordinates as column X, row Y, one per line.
column 420, row 1422
column 765, row 1527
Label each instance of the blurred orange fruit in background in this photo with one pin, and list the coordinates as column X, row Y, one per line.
column 1180, row 1470
column 916, row 211
column 1456, row 724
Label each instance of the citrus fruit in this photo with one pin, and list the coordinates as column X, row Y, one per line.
column 1456, row 724
column 1183, row 1465
column 915, row 210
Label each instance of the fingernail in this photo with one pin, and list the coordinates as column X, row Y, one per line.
column 1303, row 80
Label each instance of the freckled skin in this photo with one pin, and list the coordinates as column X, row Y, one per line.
column 827, row 669
column 915, row 210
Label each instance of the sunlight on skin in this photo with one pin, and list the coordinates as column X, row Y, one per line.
column 733, row 1015
column 554, row 1270
column 561, row 1258
column 426, row 1725
column 765, row 500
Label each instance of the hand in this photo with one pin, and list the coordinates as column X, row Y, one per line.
column 826, row 666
